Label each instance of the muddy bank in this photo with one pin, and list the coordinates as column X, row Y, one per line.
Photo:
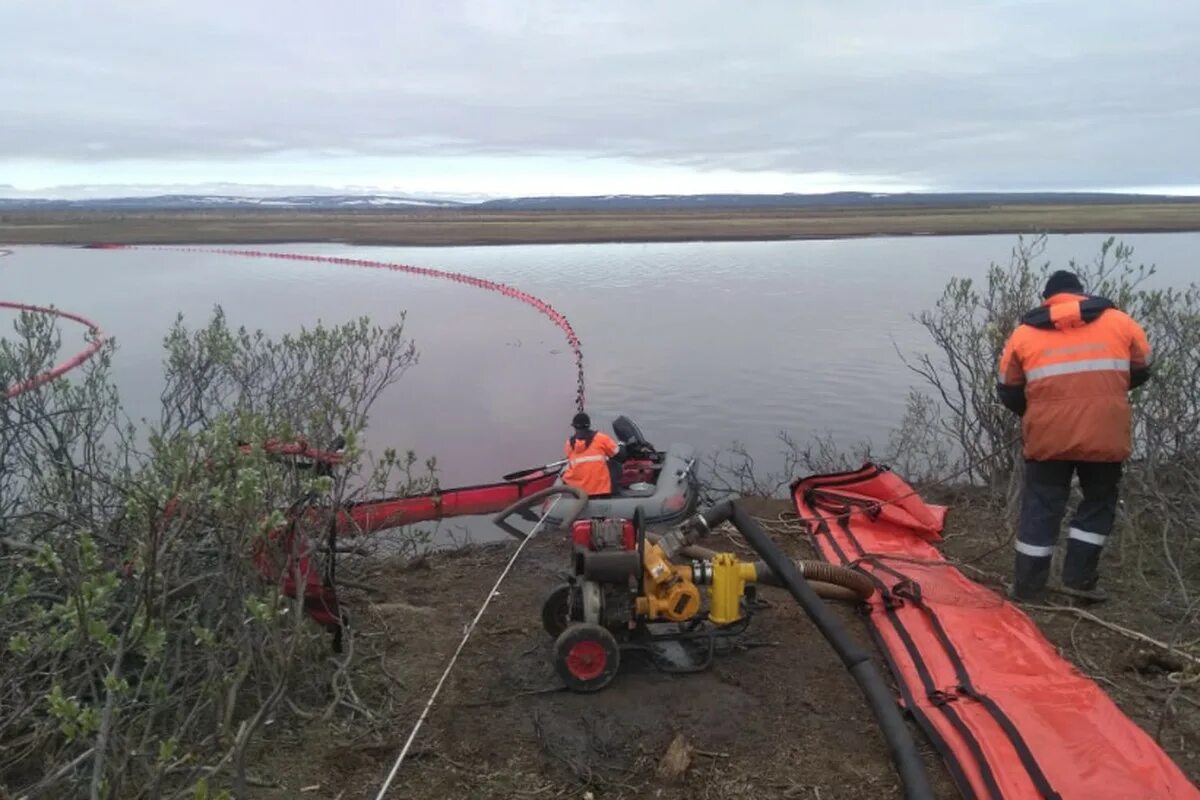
column 780, row 718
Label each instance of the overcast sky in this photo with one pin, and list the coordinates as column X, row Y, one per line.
column 563, row 96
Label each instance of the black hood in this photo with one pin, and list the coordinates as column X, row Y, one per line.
column 1087, row 309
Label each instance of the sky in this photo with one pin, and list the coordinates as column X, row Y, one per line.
column 475, row 98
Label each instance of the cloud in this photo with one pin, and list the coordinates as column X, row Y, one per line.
column 999, row 95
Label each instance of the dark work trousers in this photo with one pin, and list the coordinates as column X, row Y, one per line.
column 1043, row 504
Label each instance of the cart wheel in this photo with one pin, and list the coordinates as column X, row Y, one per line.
column 586, row 657
column 556, row 611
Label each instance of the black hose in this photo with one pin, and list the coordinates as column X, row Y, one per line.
column 858, row 662
column 579, row 497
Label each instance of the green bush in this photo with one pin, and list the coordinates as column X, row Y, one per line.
column 142, row 652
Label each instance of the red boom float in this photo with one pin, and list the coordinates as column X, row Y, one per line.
column 480, row 283
column 71, row 363
column 320, row 596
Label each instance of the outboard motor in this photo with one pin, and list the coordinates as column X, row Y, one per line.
column 630, row 435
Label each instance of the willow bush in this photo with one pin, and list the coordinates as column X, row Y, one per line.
column 143, row 652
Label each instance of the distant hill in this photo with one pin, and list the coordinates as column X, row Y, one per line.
column 379, row 202
column 829, row 200
column 181, row 202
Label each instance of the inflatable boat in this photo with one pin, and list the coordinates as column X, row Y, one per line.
column 662, row 484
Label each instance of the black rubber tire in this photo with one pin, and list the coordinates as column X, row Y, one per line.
column 586, row 657
column 556, row 610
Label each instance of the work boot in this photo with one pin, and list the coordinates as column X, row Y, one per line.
column 1030, row 576
column 1090, row 595
column 1026, row 596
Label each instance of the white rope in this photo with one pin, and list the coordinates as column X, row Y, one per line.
column 453, row 659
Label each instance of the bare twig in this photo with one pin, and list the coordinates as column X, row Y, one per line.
column 106, row 717
column 58, row 775
column 509, row 698
column 1119, row 629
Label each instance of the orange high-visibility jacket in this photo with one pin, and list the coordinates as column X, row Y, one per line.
column 588, row 463
column 1067, row 370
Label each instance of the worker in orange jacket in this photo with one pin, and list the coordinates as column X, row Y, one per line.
column 588, row 453
column 1066, row 371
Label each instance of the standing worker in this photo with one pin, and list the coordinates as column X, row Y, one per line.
column 588, row 452
column 1066, row 371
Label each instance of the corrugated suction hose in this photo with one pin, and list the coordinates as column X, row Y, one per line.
column 829, row 581
column 875, row 690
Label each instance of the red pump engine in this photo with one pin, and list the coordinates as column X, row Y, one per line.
column 604, row 534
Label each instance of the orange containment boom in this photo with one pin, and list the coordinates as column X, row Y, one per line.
column 1010, row 717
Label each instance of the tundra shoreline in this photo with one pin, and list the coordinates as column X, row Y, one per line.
column 472, row 228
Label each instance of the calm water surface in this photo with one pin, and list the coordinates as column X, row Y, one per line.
column 706, row 343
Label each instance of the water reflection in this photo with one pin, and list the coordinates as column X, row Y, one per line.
column 699, row 342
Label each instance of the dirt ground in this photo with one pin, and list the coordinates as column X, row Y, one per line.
column 780, row 719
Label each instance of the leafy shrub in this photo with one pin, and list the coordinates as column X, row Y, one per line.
column 142, row 650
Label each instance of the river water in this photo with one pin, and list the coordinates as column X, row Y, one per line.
column 707, row 343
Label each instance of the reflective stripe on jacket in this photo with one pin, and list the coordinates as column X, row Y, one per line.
column 587, row 465
column 1067, row 369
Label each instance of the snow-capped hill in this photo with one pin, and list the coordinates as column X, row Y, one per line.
column 189, row 202
column 367, row 201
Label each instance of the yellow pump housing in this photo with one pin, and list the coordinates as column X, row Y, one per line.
column 729, row 579
column 669, row 591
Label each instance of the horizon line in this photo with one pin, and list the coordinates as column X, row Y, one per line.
column 150, row 192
